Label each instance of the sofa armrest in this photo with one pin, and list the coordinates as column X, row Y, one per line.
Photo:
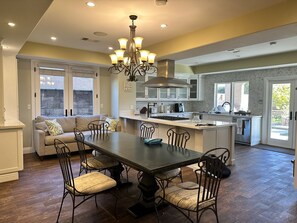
column 39, row 141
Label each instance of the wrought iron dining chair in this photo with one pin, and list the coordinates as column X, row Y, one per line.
column 177, row 138
column 87, row 164
column 201, row 195
column 99, row 127
column 146, row 131
column 85, row 186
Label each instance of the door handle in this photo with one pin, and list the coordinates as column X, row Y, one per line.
column 291, row 115
column 295, row 115
column 66, row 112
column 70, row 112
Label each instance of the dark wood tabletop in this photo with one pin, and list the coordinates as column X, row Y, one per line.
column 132, row 151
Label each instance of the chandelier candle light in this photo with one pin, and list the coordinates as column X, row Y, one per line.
column 132, row 60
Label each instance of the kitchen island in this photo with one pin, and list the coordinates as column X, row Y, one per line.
column 206, row 136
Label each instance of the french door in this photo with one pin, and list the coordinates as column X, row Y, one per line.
column 66, row 91
column 282, row 113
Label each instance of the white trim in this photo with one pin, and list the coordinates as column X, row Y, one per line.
column 9, row 177
column 27, row 150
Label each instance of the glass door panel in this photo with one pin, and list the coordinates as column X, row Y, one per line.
column 83, row 96
column 182, row 93
column 193, row 90
column 152, row 92
column 280, row 119
column 280, row 105
column 52, row 95
column 163, row 93
column 140, row 89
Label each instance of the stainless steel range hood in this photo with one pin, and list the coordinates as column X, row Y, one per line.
column 165, row 77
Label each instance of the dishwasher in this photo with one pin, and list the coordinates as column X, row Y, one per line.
column 243, row 130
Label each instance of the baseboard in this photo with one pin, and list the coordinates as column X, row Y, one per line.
column 27, row 150
column 9, row 177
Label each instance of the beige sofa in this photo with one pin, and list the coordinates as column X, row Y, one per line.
column 44, row 142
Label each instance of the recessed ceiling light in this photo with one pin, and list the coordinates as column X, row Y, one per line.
column 53, row 38
column 163, row 26
column 90, row 4
column 11, row 24
column 110, row 48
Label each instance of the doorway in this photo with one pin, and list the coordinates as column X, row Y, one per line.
column 281, row 113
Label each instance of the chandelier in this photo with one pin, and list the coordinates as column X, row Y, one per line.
column 132, row 60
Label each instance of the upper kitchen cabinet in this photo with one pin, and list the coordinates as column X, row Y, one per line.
column 182, row 93
column 145, row 93
column 167, row 94
column 195, row 92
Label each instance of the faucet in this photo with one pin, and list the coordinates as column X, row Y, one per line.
column 227, row 103
column 148, row 108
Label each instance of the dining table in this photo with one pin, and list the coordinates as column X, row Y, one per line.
column 132, row 151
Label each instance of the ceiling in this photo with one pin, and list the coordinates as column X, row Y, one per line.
column 70, row 21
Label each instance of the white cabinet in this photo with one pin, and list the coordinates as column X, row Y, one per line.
column 182, row 93
column 167, row 94
column 11, row 148
column 193, row 93
column 145, row 93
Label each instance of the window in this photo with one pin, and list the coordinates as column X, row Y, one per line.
column 66, row 91
column 237, row 93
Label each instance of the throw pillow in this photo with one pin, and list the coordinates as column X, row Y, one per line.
column 113, row 123
column 54, row 127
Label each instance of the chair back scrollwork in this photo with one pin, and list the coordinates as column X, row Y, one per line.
column 178, row 138
column 210, row 172
column 147, row 130
column 63, row 154
column 98, row 127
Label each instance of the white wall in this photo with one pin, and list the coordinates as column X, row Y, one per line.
column 123, row 97
column 10, row 87
column 1, row 88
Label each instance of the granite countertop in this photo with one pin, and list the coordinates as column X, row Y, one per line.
column 227, row 114
column 204, row 124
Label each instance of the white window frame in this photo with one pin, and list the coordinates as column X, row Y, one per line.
column 231, row 93
column 70, row 71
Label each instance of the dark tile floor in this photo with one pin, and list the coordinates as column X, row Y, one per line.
column 260, row 189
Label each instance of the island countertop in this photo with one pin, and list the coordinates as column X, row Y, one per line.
column 203, row 138
column 203, row 124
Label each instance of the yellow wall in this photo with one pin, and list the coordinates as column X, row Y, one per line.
column 39, row 50
column 255, row 62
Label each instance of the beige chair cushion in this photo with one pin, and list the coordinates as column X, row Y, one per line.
column 67, row 123
column 186, row 199
column 82, row 121
column 100, row 162
column 168, row 174
column 92, row 183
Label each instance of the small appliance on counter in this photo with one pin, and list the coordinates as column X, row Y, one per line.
column 162, row 108
column 179, row 107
